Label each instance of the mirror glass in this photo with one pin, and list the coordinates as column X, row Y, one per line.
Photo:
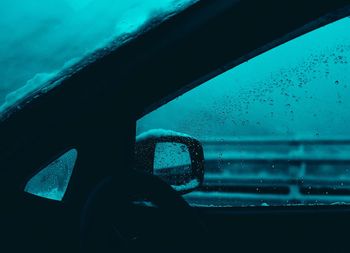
column 172, row 163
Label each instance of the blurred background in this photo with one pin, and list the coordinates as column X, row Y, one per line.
column 275, row 129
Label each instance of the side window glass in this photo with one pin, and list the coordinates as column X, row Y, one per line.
column 276, row 128
column 170, row 155
column 52, row 181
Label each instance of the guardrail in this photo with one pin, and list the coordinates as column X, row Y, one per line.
column 252, row 171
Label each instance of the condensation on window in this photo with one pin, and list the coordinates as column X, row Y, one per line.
column 171, row 154
column 39, row 38
column 275, row 129
column 52, row 181
column 173, row 164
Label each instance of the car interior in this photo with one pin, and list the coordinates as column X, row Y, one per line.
column 222, row 128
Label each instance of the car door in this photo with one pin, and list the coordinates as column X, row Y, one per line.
column 277, row 151
column 183, row 52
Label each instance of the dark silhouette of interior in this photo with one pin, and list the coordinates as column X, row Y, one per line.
column 95, row 110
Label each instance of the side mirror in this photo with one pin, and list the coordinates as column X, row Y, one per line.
column 175, row 157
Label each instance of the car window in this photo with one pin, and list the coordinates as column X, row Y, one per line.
column 52, row 181
column 39, row 38
column 276, row 128
column 170, row 154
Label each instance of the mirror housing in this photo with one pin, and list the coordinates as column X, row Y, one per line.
column 176, row 158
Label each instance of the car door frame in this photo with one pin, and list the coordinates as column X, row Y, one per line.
column 170, row 53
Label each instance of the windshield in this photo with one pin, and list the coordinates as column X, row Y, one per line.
column 40, row 38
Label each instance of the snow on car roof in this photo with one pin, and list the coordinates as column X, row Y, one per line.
column 42, row 38
column 156, row 133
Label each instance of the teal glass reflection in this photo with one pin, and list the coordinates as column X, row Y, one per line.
column 52, row 181
column 39, row 38
column 276, row 128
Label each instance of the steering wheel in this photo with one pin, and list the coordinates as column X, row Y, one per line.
column 111, row 221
